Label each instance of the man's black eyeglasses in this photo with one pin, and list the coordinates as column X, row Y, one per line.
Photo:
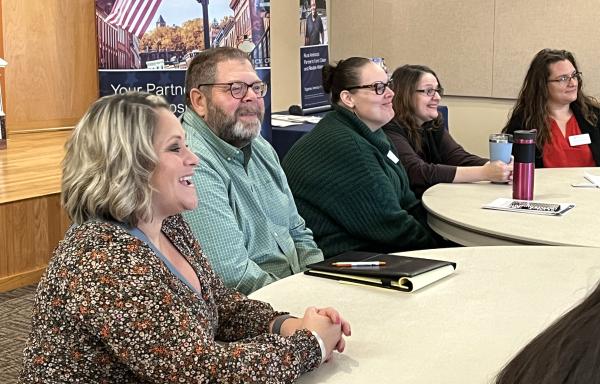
column 378, row 86
column 239, row 89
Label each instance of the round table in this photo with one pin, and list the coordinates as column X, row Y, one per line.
column 454, row 211
column 461, row 329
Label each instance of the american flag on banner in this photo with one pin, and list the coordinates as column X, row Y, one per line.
column 133, row 15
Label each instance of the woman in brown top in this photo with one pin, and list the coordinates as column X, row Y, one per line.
column 128, row 296
column 427, row 151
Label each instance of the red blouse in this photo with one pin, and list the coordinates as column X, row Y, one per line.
column 559, row 153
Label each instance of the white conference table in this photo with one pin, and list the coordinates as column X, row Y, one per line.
column 454, row 211
column 462, row 329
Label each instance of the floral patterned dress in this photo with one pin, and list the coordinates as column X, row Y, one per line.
column 108, row 310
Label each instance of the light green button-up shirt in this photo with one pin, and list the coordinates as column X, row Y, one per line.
column 246, row 220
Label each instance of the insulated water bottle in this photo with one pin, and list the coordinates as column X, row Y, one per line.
column 524, row 166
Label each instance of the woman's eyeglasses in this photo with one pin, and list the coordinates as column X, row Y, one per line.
column 564, row 79
column 431, row 91
column 378, row 86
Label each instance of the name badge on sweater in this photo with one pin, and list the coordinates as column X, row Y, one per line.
column 582, row 139
column 392, row 157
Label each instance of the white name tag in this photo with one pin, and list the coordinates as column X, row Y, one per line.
column 392, row 157
column 582, row 139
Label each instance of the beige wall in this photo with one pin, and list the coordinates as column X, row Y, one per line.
column 471, row 119
column 285, row 54
column 481, row 47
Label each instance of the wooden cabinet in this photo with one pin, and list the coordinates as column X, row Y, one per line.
column 50, row 81
column 52, row 75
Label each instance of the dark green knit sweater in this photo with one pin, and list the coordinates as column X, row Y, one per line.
column 350, row 193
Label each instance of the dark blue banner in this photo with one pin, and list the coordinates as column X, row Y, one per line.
column 171, row 85
column 167, row 83
column 312, row 60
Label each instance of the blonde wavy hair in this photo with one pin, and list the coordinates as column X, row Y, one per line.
column 110, row 158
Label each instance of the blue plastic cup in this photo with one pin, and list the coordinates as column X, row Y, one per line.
column 500, row 147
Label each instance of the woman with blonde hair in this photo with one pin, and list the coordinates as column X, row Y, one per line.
column 128, row 295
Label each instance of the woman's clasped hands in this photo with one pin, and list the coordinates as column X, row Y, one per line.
column 325, row 322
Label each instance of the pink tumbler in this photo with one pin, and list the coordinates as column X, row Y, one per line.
column 524, row 166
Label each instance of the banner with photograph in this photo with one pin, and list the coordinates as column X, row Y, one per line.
column 312, row 60
column 314, row 53
column 146, row 45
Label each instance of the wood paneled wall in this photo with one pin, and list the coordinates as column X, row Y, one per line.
column 52, row 75
column 2, row 83
column 30, row 231
column 31, row 218
column 50, row 81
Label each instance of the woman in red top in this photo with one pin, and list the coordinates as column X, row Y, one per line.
column 567, row 121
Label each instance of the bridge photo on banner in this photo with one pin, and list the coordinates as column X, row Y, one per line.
column 146, row 45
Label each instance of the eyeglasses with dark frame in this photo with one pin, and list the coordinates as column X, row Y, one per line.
column 564, row 79
column 431, row 91
column 239, row 89
column 378, row 86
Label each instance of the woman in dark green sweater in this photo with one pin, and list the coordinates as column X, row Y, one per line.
column 345, row 177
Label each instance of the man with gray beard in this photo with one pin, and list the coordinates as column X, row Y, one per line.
column 246, row 220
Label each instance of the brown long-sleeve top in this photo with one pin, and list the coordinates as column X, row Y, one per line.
column 437, row 160
column 108, row 310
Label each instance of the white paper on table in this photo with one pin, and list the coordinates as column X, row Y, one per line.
column 282, row 123
column 292, row 118
column 297, row 119
column 312, row 119
column 594, row 181
column 503, row 204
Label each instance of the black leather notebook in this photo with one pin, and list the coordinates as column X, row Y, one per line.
column 382, row 270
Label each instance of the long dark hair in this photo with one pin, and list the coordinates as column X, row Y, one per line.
column 566, row 352
column 531, row 106
column 345, row 74
column 404, row 85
